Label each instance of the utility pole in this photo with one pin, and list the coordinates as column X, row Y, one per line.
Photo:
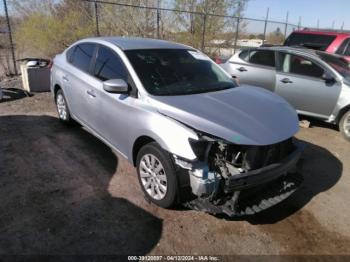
column 237, row 26
column 265, row 27
column 285, row 28
column 10, row 37
column 204, row 25
column 158, row 19
column 97, row 20
column 318, row 23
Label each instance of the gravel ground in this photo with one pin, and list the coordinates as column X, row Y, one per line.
column 62, row 191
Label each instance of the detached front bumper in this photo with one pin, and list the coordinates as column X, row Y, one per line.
column 264, row 175
column 251, row 192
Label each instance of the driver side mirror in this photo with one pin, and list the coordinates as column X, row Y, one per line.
column 328, row 78
column 117, row 86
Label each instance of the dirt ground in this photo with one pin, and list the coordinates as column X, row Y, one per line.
column 62, row 191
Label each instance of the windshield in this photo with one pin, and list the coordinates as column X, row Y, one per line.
column 177, row 72
column 313, row 41
column 337, row 63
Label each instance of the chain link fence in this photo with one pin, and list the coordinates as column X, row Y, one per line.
column 7, row 49
column 217, row 34
column 209, row 32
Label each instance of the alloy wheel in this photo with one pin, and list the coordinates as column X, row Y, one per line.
column 346, row 126
column 61, row 107
column 153, row 177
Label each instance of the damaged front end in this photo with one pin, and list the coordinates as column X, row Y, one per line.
column 239, row 180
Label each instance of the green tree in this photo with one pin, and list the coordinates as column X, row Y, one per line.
column 276, row 37
column 53, row 27
column 128, row 21
column 190, row 26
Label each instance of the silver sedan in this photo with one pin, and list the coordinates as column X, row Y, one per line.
column 194, row 136
column 316, row 83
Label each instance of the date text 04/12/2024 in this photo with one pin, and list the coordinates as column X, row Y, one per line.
column 173, row 258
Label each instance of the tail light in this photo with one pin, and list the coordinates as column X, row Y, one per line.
column 218, row 60
column 50, row 64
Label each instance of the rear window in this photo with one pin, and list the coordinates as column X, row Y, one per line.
column 81, row 56
column 259, row 57
column 313, row 41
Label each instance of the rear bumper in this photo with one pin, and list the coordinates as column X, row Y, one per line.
column 264, row 175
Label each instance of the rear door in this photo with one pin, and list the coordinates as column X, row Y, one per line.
column 300, row 81
column 80, row 83
column 254, row 67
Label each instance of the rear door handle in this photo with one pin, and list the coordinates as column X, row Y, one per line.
column 91, row 93
column 286, row 81
column 242, row 69
column 65, row 79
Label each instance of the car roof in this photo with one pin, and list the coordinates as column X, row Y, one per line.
column 132, row 43
column 295, row 50
column 319, row 32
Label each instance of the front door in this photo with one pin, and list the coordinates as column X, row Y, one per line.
column 115, row 110
column 300, row 81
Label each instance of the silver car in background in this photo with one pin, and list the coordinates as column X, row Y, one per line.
column 193, row 135
column 315, row 83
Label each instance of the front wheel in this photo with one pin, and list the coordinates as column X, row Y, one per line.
column 157, row 175
column 344, row 125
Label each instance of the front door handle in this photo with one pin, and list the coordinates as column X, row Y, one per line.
column 242, row 69
column 91, row 93
column 286, row 81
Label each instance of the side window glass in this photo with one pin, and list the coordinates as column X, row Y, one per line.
column 262, row 57
column 301, row 66
column 343, row 47
column 244, row 55
column 347, row 50
column 70, row 53
column 82, row 56
column 109, row 66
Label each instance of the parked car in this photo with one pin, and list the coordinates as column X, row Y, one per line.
column 316, row 83
column 333, row 42
column 193, row 135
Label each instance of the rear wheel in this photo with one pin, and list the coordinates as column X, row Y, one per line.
column 62, row 107
column 157, row 175
column 344, row 125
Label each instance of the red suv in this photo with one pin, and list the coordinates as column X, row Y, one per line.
column 330, row 41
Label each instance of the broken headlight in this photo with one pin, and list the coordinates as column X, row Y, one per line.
column 200, row 148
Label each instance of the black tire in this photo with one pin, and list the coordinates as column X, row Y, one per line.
column 65, row 118
column 167, row 163
column 344, row 125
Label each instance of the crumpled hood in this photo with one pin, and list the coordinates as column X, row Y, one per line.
column 244, row 115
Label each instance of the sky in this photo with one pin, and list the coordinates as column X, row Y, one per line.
column 310, row 11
